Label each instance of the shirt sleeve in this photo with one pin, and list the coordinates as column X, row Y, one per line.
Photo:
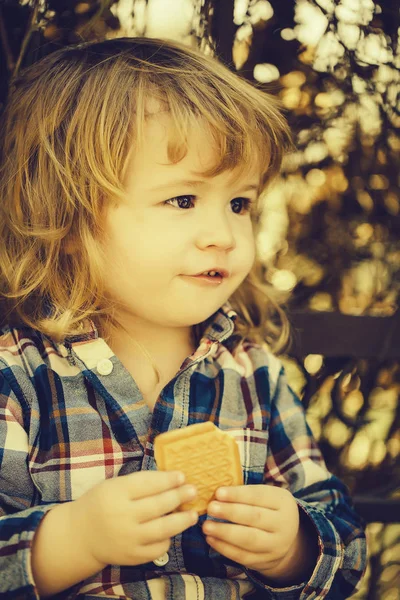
column 295, row 462
column 19, row 519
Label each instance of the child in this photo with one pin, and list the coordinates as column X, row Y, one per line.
column 129, row 167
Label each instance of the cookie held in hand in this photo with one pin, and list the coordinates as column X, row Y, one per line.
column 207, row 456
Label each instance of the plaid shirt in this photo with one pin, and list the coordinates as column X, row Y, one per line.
column 72, row 416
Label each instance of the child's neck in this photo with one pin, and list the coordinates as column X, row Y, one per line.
column 149, row 352
column 151, row 376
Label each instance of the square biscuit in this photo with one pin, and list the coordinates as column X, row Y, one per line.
column 207, row 456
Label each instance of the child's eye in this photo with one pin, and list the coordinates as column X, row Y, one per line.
column 179, row 200
column 247, row 203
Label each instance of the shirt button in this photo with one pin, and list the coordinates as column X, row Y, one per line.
column 104, row 366
column 162, row 560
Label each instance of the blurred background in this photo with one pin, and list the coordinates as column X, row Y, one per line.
column 328, row 231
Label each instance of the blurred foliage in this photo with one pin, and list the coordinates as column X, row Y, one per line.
column 353, row 410
column 328, row 231
column 336, row 69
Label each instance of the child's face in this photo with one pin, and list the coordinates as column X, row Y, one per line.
column 151, row 245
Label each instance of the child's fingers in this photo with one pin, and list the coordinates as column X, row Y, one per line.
column 148, row 509
column 143, row 484
column 246, row 538
column 239, row 555
column 166, row 527
column 152, row 551
column 267, row 496
column 245, row 514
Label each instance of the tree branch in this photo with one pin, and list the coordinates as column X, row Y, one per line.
column 6, row 45
column 32, row 25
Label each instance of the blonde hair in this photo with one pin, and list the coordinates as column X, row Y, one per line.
column 70, row 123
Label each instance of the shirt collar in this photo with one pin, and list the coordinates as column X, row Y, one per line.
column 220, row 327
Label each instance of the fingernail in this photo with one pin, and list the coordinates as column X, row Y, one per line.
column 180, row 477
column 194, row 517
column 214, row 507
column 221, row 493
column 191, row 491
column 209, row 526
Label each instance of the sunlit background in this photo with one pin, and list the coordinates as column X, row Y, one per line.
column 328, row 231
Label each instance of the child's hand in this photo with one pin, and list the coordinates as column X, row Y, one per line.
column 263, row 530
column 125, row 520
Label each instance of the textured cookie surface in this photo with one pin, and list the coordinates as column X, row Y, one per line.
column 208, row 456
